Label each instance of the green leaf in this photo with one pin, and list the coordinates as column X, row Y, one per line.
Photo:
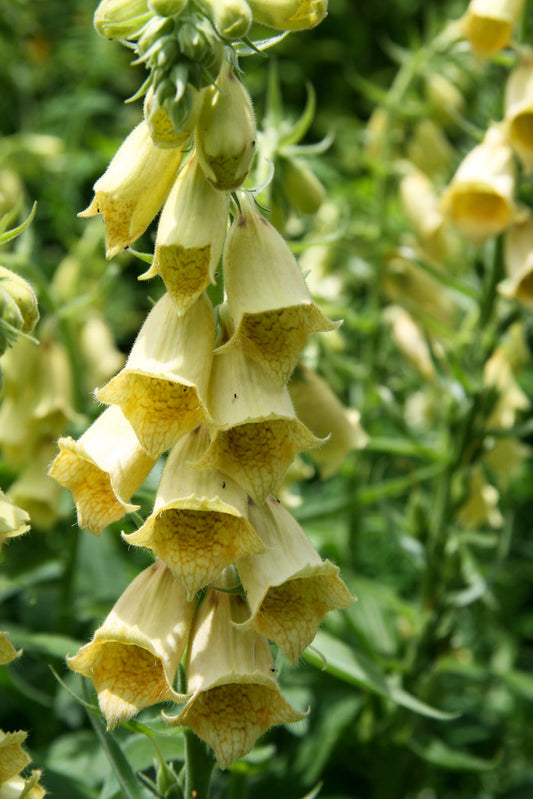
column 440, row 754
column 353, row 667
column 16, row 231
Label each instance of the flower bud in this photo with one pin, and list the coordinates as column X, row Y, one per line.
column 289, row 15
column 199, row 524
column 479, row 201
column 488, row 24
column 162, row 112
column 410, row 340
column 167, row 8
column 103, row 469
column 256, row 432
column 232, row 18
column 235, row 695
column 7, row 650
column 322, row 412
column 304, row 191
column 13, row 521
column 429, row 149
column 120, row 19
column 268, row 299
column 13, row 758
column 134, row 655
column 162, row 387
column 15, row 288
column 518, row 119
column 225, row 131
column 132, row 189
column 190, row 236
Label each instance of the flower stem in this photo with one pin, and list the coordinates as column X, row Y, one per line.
column 199, row 763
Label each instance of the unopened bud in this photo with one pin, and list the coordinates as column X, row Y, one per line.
column 232, row 18
column 289, row 15
column 167, row 8
column 18, row 300
column 305, row 192
column 120, row 19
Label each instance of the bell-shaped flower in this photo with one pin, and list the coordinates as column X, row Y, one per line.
column 289, row 588
column 480, row 199
column 162, row 387
column 498, row 374
column 518, row 118
column 134, row 655
column 481, row 506
column 225, row 131
column 518, row 260
column 132, row 189
column 289, row 15
column 35, row 491
column 269, row 302
column 13, row 758
column 103, row 469
column 256, row 433
column 7, row 650
column 488, row 24
column 421, row 206
column 324, row 414
column 190, row 236
column 230, row 674
column 100, row 355
column 13, row 520
column 199, row 524
column 428, row 148
column 410, row 340
column 421, row 293
column 23, row 787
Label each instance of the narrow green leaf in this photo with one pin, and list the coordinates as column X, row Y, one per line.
column 14, row 232
column 300, row 128
column 440, row 754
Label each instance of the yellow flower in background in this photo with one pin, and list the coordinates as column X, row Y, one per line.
column 480, row 199
column 162, row 388
column 289, row 15
column 518, row 260
column 103, row 469
column 481, row 507
column 132, row 189
column 34, row 491
column 488, row 24
column 199, row 523
column 190, row 236
column 289, row 588
column 518, row 116
column 23, row 788
column 14, row 521
column 410, row 340
column 134, row 655
column 235, row 697
column 13, row 758
column 7, row 650
column 429, row 149
column 498, row 374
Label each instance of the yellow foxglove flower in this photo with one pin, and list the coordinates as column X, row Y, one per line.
column 162, row 387
column 162, row 128
column 481, row 507
column 422, row 294
column 518, row 119
column 256, row 433
column 322, row 412
column 289, row 588
column 7, row 650
column 100, row 355
column 225, row 131
column 13, row 521
column 199, row 524
column 20, row 788
column 488, row 24
column 498, row 374
column 230, row 674
column 132, row 189
column 421, row 206
column 190, row 236
column 270, row 304
column 429, row 149
column 518, row 259
column 103, row 469
column 34, row 491
column 410, row 340
column 289, row 15
column 134, row 655
column 13, row 758
column 479, row 201
column 506, row 459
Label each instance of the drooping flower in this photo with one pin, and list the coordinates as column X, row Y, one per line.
column 13, row 520
column 199, row 524
column 13, row 758
column 134, row 655
column 289, row 587
column 410, row 340
column 7, row 650
column 518, row 260
column 488, row 24
column 518, row 117
column 162, row 388
column 103, row 469
column 289, row 15
column 235, row 697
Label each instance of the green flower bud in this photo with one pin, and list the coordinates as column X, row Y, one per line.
column 19, row 301
column 167, row 8
column 289, row 15
column 304, row 191
column 226, row 132
column 121, row 19
column 232, row 18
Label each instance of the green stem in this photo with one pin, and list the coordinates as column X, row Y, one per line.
column 199, row 763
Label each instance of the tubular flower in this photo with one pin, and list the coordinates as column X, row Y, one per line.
column 289, row 15
column 132, row 189
column 421, row 206
column 289, row 588
column 134, row 655
column 7, row 650
column 268, row 300
column 488, row 24
column 317, row 407
column 13, row 758
column 103, row 469
column 199, row 523
column 190, row 236
column 225, row 131
column 13, row 521
column 410, row 340
column 479, row 200
column 33, row 489
column 162, row 387
column 256, row 433
column 518, row 119
column 235, row 696
column 518, row 258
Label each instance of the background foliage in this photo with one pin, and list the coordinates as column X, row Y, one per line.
column 427, row 689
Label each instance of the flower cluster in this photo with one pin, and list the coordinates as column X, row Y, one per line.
column 211, row 387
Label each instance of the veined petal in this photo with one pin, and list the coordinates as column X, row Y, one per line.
column 190, row 236
column 134, row 655
column 132, row 189
column 289, row 588
column 162, row 387
column 256, row 432
column 271, row 307
column 199, row 523
column 103, row 469
column 13, row 758
column 235, row 696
